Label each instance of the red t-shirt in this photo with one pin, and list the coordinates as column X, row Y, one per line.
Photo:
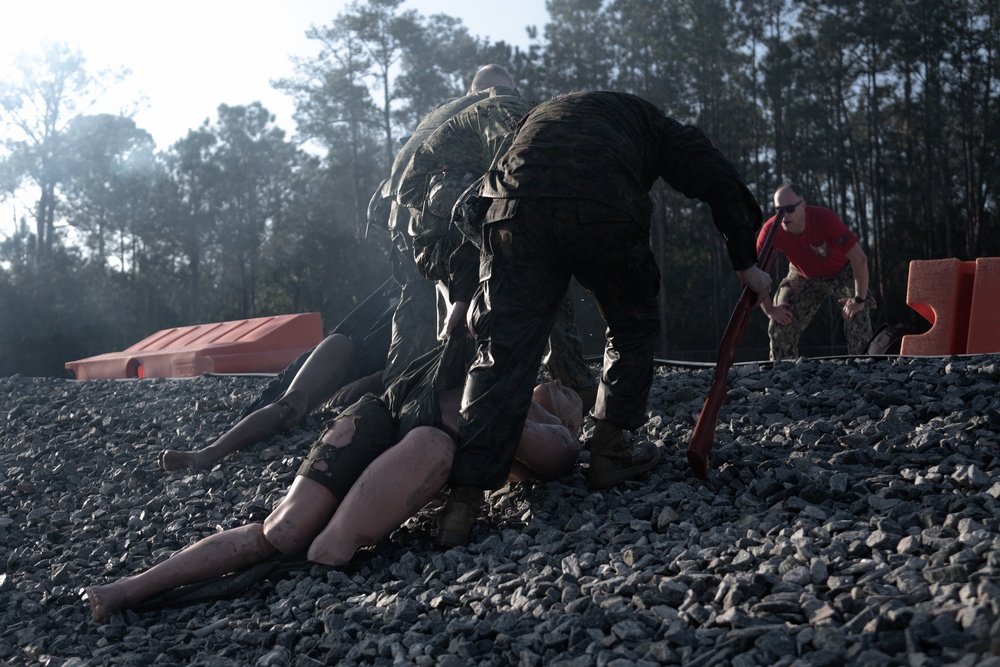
column 821, row 250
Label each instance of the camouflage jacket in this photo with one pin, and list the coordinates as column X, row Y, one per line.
column 457, row 153
column 611, row 147
column 427, row 125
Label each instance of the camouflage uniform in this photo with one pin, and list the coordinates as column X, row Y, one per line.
column 414, row 331
column 570, row 198
column 413, row 326
column 445, row 164
column 804, row 296
column 459, row 150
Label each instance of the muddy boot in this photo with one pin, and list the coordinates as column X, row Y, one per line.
column 613, row 460
column 455, row 522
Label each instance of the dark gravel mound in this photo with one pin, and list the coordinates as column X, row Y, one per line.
column 852, row 517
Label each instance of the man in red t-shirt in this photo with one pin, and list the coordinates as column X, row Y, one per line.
column 825, row 260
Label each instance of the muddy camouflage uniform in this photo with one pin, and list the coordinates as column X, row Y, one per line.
column 446, row 163
column 571, row 198
column 414, row 331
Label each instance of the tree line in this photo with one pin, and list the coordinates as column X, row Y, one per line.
column 885, row 112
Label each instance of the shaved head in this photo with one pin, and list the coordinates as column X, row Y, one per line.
column 489, row 76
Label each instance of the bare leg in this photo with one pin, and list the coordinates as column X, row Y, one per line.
column 320, row 376
column 253, row 428
column 308, row 504
column 209, row 558
column 324, row 370
column 390, row 490
column 300, row 517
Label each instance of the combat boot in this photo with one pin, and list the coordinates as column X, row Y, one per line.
column 455, row 522
column 613, row 460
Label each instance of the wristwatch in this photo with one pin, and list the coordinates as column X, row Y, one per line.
column 859, row 299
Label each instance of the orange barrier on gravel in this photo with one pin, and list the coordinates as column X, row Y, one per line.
column 259, row 345
column 984, row 320
column 961, row 300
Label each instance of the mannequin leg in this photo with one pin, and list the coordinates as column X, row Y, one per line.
column 250, row 430
column 324, row 370
column 211, row 557
column 290, row 527
column 393, row 488
column 320, row 376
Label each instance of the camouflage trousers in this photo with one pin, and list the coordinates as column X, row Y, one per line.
column 413, row 322
column 804, row 296
column 563, row 360
column 526, row 267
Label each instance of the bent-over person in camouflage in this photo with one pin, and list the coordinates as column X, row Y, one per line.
column 570, row 197
column 414, row 329
column 446, row 163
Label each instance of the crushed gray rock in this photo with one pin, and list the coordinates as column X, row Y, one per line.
column 851, row 517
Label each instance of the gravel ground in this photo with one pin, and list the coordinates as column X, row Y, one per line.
column 852, row 517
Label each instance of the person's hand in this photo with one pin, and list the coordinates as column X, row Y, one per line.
column 849, row 308
column 781, row 314
column 352, row 391
column 757, row 280
column 456, row 318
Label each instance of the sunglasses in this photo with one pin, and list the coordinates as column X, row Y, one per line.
column 790, row 208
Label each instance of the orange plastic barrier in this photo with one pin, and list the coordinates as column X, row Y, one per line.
column 984, row 321
column 259, row 345
column 961, row 300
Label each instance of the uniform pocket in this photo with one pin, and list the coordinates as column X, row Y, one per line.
column 643, row 270
column 497, row 242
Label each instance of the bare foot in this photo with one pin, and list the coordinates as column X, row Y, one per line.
column 171, row 460
column 104, row 600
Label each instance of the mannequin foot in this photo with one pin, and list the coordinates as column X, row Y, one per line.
column 105, row 600
column 172, row 460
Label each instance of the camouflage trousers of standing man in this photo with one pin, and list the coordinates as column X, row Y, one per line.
column 804, row 296
column 564, row 360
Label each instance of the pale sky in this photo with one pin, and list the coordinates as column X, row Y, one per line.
column 189, row 56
